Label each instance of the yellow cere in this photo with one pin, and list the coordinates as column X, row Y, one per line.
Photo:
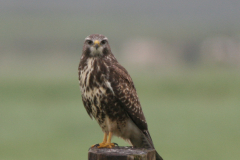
column 96, row 42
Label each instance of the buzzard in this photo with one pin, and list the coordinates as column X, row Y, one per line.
column 109, row 95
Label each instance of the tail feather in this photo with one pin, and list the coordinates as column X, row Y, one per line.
column 145, row 141
column 158, row 157
column 141, row 141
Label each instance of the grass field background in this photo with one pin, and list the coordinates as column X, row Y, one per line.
column 192, row 114
column 184, row 61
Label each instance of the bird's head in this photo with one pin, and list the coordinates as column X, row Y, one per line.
column 96, row 45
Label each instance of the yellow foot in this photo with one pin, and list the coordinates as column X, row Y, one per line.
column 106, row 145
column 95, row 145
column 99, row 144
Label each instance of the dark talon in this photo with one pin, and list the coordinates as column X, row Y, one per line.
column 96, row 145
column 116, row 144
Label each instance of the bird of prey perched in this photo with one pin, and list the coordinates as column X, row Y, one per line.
column 109, row 95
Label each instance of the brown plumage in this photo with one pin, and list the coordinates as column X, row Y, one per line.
column 109, row 95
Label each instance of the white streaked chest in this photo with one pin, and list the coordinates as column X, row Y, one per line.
column 85, row 74
column 98, row 90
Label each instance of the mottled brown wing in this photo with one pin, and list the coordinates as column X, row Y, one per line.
column 125, row 92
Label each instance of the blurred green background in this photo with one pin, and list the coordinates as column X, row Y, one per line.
column 183, row 57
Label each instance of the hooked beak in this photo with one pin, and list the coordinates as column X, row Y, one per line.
column 96, row 44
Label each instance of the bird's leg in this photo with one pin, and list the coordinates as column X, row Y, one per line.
column 100, row 145
column 108, row 144
column 104, row 138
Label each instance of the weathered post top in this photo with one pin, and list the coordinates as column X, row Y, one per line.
column 121, row 153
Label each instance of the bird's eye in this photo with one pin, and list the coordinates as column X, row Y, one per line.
column 90, row 42
column 103, row 42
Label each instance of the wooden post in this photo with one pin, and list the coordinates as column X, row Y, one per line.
column 121, row 153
